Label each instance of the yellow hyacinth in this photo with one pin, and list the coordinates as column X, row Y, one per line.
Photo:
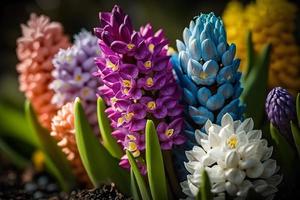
column 270, row 22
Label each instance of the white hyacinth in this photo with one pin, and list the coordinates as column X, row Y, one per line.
column 236, row 159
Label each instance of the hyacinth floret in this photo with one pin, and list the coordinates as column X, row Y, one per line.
column 138, row 83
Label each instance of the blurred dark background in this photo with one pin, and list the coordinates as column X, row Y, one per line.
column 172, row 15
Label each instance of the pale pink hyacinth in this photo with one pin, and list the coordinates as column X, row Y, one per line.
column 40, row 41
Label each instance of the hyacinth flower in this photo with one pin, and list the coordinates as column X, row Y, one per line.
column 283, row 113
column 206, row 70
column 207, row 73
column 63, row 130
column 72, row 75
column 138, row 84
column 236, row 159
column 281, row 109
column 269, row 23
column 40, row 41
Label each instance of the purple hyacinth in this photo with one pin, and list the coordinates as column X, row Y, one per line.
column 138, row 84
column 72, row 75
column 280, row 108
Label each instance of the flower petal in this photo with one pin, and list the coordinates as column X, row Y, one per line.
column 235, row 176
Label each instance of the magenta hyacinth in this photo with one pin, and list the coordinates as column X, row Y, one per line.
column 138, row 83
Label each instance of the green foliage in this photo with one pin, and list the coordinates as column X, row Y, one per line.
column 295, row 127
column 138, row 177
column 250, row 55
column 283, row 151
column 298, row 108
column 155, row 165
column 134, row 187
column 55, row 159
column 99, row 164
column 255, row 82
column 175, row 188
column 109, row 142
column 14, row 124
column 296, row 135
column 205, row 187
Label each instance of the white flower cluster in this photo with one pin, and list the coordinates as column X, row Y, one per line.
column 236, row 159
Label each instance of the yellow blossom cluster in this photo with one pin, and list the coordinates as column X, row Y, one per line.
column 270, row 22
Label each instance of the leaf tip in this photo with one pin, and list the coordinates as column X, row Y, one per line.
column 77, row 100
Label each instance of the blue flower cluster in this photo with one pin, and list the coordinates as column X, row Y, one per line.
column 207, row 71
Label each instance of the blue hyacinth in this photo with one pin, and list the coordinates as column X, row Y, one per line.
column 208, row 74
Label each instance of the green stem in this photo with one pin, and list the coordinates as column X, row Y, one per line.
column 168, row 161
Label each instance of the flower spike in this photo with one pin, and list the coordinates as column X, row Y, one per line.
column 138, row 84
column 40, row 41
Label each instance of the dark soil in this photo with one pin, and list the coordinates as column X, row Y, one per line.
column 27, row 184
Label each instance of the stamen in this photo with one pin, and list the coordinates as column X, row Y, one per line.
column 112, row 66
column 136, row 153
column 151, row 47
column 120, row 121
column 132, row 146
column 203, row 75
column 129, row 116
column 113, row 100
column 126, row 91
column 148, row 64
column 169, row 132
column 149, row 82
column 232, row 142
column 130, row 46
column 151, row 105
column 126, row 83
column 131, row 137
column 78, row 78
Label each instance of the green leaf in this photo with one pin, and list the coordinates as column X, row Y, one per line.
column 101, row 167
column 109, row 142
column 9, row 117
column 171, row 174
column 250, row 55
column 155, row 165
column 53, row 153
column 14, row 156
column 134, row 187
column 205, row 187
column 296, row 135
column 138, row 177
column 298, row 108
column 283, row 151
column 255, row 86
